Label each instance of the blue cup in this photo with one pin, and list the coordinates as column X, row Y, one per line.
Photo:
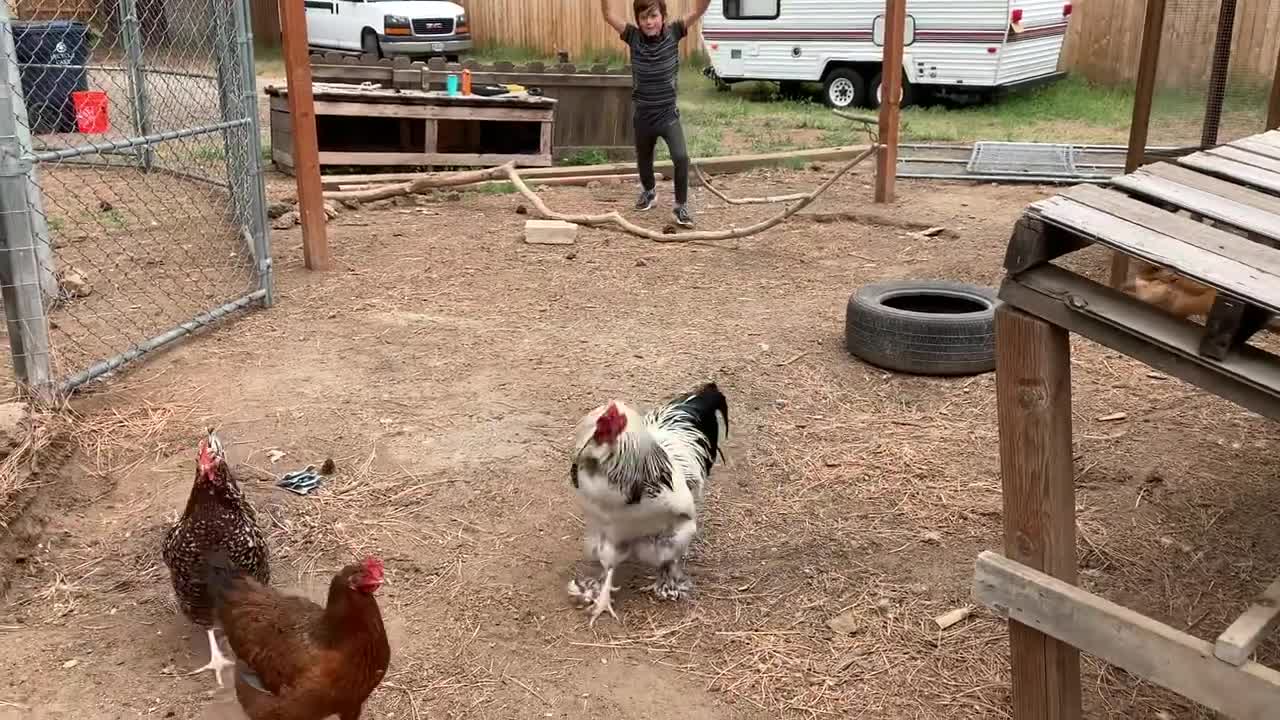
column 451, row 84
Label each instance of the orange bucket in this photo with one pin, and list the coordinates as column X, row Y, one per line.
column 91, row 111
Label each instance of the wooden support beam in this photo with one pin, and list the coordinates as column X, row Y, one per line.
column 1237, row 643
column 1139, row 126
column 895, row 27
column 1144, row 647
column 306, row 149
column 1273, row 106
column 1218, row 74
column 1033, row 398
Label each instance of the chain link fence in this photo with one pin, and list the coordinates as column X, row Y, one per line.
column 131, row 192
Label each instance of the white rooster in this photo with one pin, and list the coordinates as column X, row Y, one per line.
column 640, row 479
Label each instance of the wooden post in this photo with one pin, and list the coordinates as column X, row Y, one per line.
column 1218, row 74
column 1273, row 107
column 306, row 148
column 895, row 26
column 1144, row 92
column 1033, row 399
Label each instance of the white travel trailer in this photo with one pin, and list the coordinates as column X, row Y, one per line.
column 953, row 47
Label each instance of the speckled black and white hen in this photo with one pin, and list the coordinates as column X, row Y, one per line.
column 218, row 519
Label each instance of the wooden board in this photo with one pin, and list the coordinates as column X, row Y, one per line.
column 1216, row 258
column 1257, row 146
column 420, row 97
column 1151, row 650
column 1039, row 498
column 1238, row 642
column 1232, row 170
column 1246, row 157
column 1222, row 188
column 433, row 112
column 1249, row 376
column 1204, row 204
column 444, row 159
column 711, row 165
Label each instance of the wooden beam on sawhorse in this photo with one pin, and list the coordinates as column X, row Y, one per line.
column 895, row 28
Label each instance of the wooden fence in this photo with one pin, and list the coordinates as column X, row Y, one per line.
column 1106, row 35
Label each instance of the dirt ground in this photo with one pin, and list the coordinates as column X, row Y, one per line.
column 443, row 364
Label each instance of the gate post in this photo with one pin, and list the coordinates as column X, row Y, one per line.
column 255, row 188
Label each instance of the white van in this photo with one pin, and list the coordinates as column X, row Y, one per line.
column 953, row 47
column 388, row 27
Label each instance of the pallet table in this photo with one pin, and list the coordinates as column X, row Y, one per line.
column 1212, row 216
column 388, row 127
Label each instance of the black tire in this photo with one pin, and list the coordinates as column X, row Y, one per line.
column 928, row 327
column 844, row 88
column 369, row 44
column 873, row 93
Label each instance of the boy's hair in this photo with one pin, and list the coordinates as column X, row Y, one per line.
column 639, row 6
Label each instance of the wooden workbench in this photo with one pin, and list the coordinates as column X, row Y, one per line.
column 388, row 127
column 1156, row 214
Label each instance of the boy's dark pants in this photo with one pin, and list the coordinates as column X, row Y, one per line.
column 647, row 141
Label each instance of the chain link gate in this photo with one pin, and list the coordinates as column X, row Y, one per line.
column 132, row 204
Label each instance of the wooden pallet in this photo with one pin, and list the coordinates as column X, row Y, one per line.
column 1214, row 217
column 386, row 127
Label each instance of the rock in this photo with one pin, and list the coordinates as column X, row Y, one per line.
column 13, row 422
column 453, row 196
column 846, row 623
column 640, row 262
column 330, row 210
column 276, row 209
column 286, row 221
column 74, row 284
column 522, row 210
column 550, row 232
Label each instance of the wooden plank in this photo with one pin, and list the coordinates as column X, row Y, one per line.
column 1238, row 641
column 895, row 23
column 1205, row 204
column 544, row 140
column 1033, row 401
column 712, row 165
column 1144, row 647
column 400, row 158
column 306, row 155
column 1232, row 170
column 1222, row 188
column 1035, row 242
column 1256, row 146
column 1271, row 137
column 360, row 109
column 1140, row 124
column 1235, row 276
column 1248, row 158
column 1249, row 377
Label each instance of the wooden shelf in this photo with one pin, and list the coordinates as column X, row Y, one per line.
column 376, row 127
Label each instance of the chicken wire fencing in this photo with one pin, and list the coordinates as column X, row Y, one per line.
column 131, row 192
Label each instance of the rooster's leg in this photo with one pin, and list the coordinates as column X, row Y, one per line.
column 603, row 602
column 667, row 553
column 217, row 660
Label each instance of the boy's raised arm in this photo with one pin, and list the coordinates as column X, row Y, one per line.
column 699, row 9
column 614, row 20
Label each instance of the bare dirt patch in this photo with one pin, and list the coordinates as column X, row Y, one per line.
column 443, row 364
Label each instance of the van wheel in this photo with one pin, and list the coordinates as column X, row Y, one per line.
column 843, row 88
column 369, row 44
column 905, row 97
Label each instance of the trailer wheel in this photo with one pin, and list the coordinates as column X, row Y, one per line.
column 844, row 87
column 905, row 98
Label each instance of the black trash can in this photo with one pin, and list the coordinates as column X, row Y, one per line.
column 51, row 60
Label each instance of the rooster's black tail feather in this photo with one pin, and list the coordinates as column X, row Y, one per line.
column 703, row 406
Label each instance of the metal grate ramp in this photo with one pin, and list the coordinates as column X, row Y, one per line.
column 1015, row 158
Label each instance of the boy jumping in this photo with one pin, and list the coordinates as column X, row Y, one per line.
column 655, row 70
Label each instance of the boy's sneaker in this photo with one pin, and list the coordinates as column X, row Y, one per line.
column 647, row 199
column 682, row 216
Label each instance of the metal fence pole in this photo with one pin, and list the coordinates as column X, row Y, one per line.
column 253, row 180
column 131, row 31
column 12, row 77
column 24, row 306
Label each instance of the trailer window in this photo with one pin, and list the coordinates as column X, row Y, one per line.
column 751, row 9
